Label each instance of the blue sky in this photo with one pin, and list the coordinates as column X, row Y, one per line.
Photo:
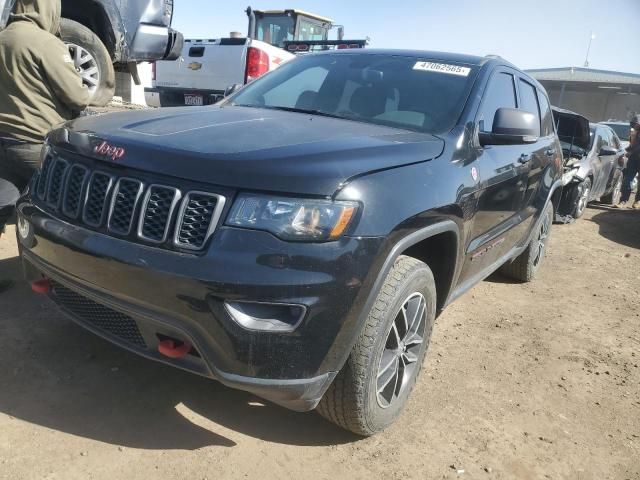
column 531, row 34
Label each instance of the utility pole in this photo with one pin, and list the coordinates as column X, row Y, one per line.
column 586, row 60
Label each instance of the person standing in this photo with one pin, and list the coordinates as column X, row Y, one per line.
column 39, row 86
column 633, row 164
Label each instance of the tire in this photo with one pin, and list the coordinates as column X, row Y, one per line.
column 92, row 60
column 613, row 197
column 353, row 401
column 526, row 265
column 581, row 199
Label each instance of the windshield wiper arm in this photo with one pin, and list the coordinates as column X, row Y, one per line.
column 297, row 110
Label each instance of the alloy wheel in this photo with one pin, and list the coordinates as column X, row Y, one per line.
column 583, row 201
column 86, row 65
column 398, row 363
column 543, row 235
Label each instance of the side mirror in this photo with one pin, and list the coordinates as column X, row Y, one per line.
column 512, row 127
column 607, row 150
column 231, row 89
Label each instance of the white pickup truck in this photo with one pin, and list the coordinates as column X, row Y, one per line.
column 209, row 68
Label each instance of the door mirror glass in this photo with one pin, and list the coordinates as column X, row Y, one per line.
column 231, row 89
column 512, row 126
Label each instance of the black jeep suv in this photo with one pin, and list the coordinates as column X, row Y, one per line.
column 298, row 239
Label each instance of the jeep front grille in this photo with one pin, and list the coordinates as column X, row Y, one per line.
column 127, row 207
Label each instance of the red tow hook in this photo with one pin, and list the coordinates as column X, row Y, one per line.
column 168, row 348
column 42, row 286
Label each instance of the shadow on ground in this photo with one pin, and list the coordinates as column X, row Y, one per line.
column 619, row 225
column 57, row 375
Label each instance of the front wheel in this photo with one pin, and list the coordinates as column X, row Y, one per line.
column 91, row 59
column 613, row 197
column 582, row 198
column 372, row 388
column 526, row 265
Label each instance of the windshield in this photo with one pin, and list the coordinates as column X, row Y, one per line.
column 397, row 91
column 623, row 130
column 275, row 30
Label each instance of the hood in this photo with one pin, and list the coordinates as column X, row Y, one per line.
column 248, row 148
column 43, row 13
column 573, row 128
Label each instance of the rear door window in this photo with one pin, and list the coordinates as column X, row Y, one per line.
column 500, row 93
column 529, row 100
column 545, row 113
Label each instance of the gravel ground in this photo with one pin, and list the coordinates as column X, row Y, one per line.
column 537, row 381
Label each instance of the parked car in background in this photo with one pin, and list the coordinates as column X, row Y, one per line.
column 298, row 239
column 622, row 129
column 209, row 68
column 108, row 35
column 593, row 163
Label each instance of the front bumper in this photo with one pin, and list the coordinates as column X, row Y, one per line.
column 176, row 295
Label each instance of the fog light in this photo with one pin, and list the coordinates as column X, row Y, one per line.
column 266, row 317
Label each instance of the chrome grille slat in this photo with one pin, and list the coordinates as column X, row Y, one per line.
column 43, row 178
column 126, row 195
column 157, row 211
column 97, row 199
column 198, row 217
column 72, row 197
column 56, row 182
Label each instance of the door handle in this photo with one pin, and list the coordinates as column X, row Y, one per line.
column 550, row 152
column 524, row 158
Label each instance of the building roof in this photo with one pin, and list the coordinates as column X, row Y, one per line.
column 586, row 75
column 297, row 12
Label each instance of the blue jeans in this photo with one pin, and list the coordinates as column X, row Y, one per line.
column 633, row 168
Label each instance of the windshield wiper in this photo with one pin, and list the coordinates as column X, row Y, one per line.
column 309, row 111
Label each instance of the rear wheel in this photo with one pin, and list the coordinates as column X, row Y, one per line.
column 91, row 59
column 525, row 266
column 372, row 388
column 613, row 197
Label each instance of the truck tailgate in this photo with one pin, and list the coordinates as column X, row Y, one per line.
column 205, row 65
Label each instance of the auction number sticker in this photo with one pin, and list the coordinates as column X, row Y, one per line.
column 442, row 68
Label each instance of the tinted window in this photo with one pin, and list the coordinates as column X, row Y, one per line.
column 275, row 30
column 622, row 129
column 529, row 100
column 500, row 93
column 615, row 141
column 298, row 91
column 312, row 31
column 547, row 116
column 403, row 92
column 597, row 139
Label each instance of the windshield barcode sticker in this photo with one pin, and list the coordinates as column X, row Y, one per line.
column 442, row 68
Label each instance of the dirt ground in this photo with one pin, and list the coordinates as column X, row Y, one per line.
column 537, row 381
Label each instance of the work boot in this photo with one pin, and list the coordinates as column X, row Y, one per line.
column 636, row 206
column 5, row 285
column 620, row 205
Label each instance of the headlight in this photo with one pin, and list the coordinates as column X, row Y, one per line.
column 292, row 218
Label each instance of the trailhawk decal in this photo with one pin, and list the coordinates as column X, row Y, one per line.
column 442, row 68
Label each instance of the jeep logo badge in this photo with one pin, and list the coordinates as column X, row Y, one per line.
column 110, row 151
